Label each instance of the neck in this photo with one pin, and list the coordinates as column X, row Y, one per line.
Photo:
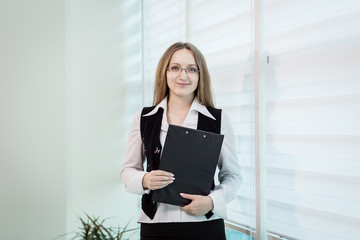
column 179, row 104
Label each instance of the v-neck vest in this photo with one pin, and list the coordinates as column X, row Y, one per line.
column 150, row 127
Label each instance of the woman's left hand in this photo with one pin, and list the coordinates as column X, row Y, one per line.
column 200, row 205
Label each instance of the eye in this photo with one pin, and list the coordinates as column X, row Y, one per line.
column 175, row 68
column 192, row 69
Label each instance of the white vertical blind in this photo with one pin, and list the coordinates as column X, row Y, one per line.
column 132, row 53
column 312, row 86
column 312, row 101
column 222, row 31
column 164, row 24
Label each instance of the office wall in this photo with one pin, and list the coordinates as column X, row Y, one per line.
column 32, row 119
column 96, row 105
column 62, row 127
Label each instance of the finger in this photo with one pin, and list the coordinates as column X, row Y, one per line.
column 162, row 179
column 162, row 183
column 159, row 176
column 186, row 208
column 163, row 173
column 188, row 196
column 158, row 185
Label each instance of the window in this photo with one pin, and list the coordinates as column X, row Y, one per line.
column 306, row 83
column 312, row 115
column 222, row 32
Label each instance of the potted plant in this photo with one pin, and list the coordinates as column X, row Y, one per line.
column 92, row 228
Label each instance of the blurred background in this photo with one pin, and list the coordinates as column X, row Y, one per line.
column 74, row 72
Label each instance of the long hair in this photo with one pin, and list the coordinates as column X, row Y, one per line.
column 203, row 91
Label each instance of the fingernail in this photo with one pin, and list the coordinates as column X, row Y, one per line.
column 181, row 194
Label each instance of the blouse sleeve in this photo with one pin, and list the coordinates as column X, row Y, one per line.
column 229, row 170
column 132, row 171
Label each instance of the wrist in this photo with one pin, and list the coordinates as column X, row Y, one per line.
column 145, row 187
column 211, row 203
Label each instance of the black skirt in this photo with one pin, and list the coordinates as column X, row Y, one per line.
column 209, row 230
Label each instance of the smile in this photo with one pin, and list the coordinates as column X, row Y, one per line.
column 183, row 84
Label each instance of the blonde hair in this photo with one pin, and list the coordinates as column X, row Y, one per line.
column 203, row 91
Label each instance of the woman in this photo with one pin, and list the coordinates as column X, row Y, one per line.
column 182, row 97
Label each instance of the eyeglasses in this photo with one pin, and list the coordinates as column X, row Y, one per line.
column 189, row 70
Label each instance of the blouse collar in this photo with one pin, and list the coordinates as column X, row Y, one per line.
column 195, row 106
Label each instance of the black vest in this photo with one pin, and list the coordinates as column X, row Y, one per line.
column 150, row 127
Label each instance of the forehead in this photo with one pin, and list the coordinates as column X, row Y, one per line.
column 183, row 57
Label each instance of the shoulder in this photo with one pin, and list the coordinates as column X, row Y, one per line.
column 214, row 111
column 141, row 112
column 226, row 125
column 147, row 110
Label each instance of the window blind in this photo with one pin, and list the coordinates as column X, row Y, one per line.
column 222, row 32
column 312, row 102
column 312, row 115
column 163, row 25
column 132, row 53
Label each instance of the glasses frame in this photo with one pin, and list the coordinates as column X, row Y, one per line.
column 181, row 69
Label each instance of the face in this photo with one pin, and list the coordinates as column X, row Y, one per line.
column 182, row 83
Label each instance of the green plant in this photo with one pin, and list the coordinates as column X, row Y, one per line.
column 92, row 228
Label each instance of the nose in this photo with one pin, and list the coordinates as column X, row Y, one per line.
column 183, row 69
column 183, row 74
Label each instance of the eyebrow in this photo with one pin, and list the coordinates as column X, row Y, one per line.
column 180, row 64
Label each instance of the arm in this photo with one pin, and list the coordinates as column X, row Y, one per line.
column 229, row 170
column 132, row 171
column 136, row 180
column 229, row 178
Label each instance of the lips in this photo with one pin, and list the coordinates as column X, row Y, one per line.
column 183, row 84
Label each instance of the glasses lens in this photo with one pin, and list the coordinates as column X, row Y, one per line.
column 192, row 69
column 177, row 69
column 173, row 69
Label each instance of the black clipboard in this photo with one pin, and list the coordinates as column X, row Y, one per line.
column 192, row 156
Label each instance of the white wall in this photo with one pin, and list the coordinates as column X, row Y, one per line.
column 32, row 119
column 62, row 127
column 97, row 105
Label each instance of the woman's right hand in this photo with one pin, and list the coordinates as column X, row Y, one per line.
column 157, row 179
